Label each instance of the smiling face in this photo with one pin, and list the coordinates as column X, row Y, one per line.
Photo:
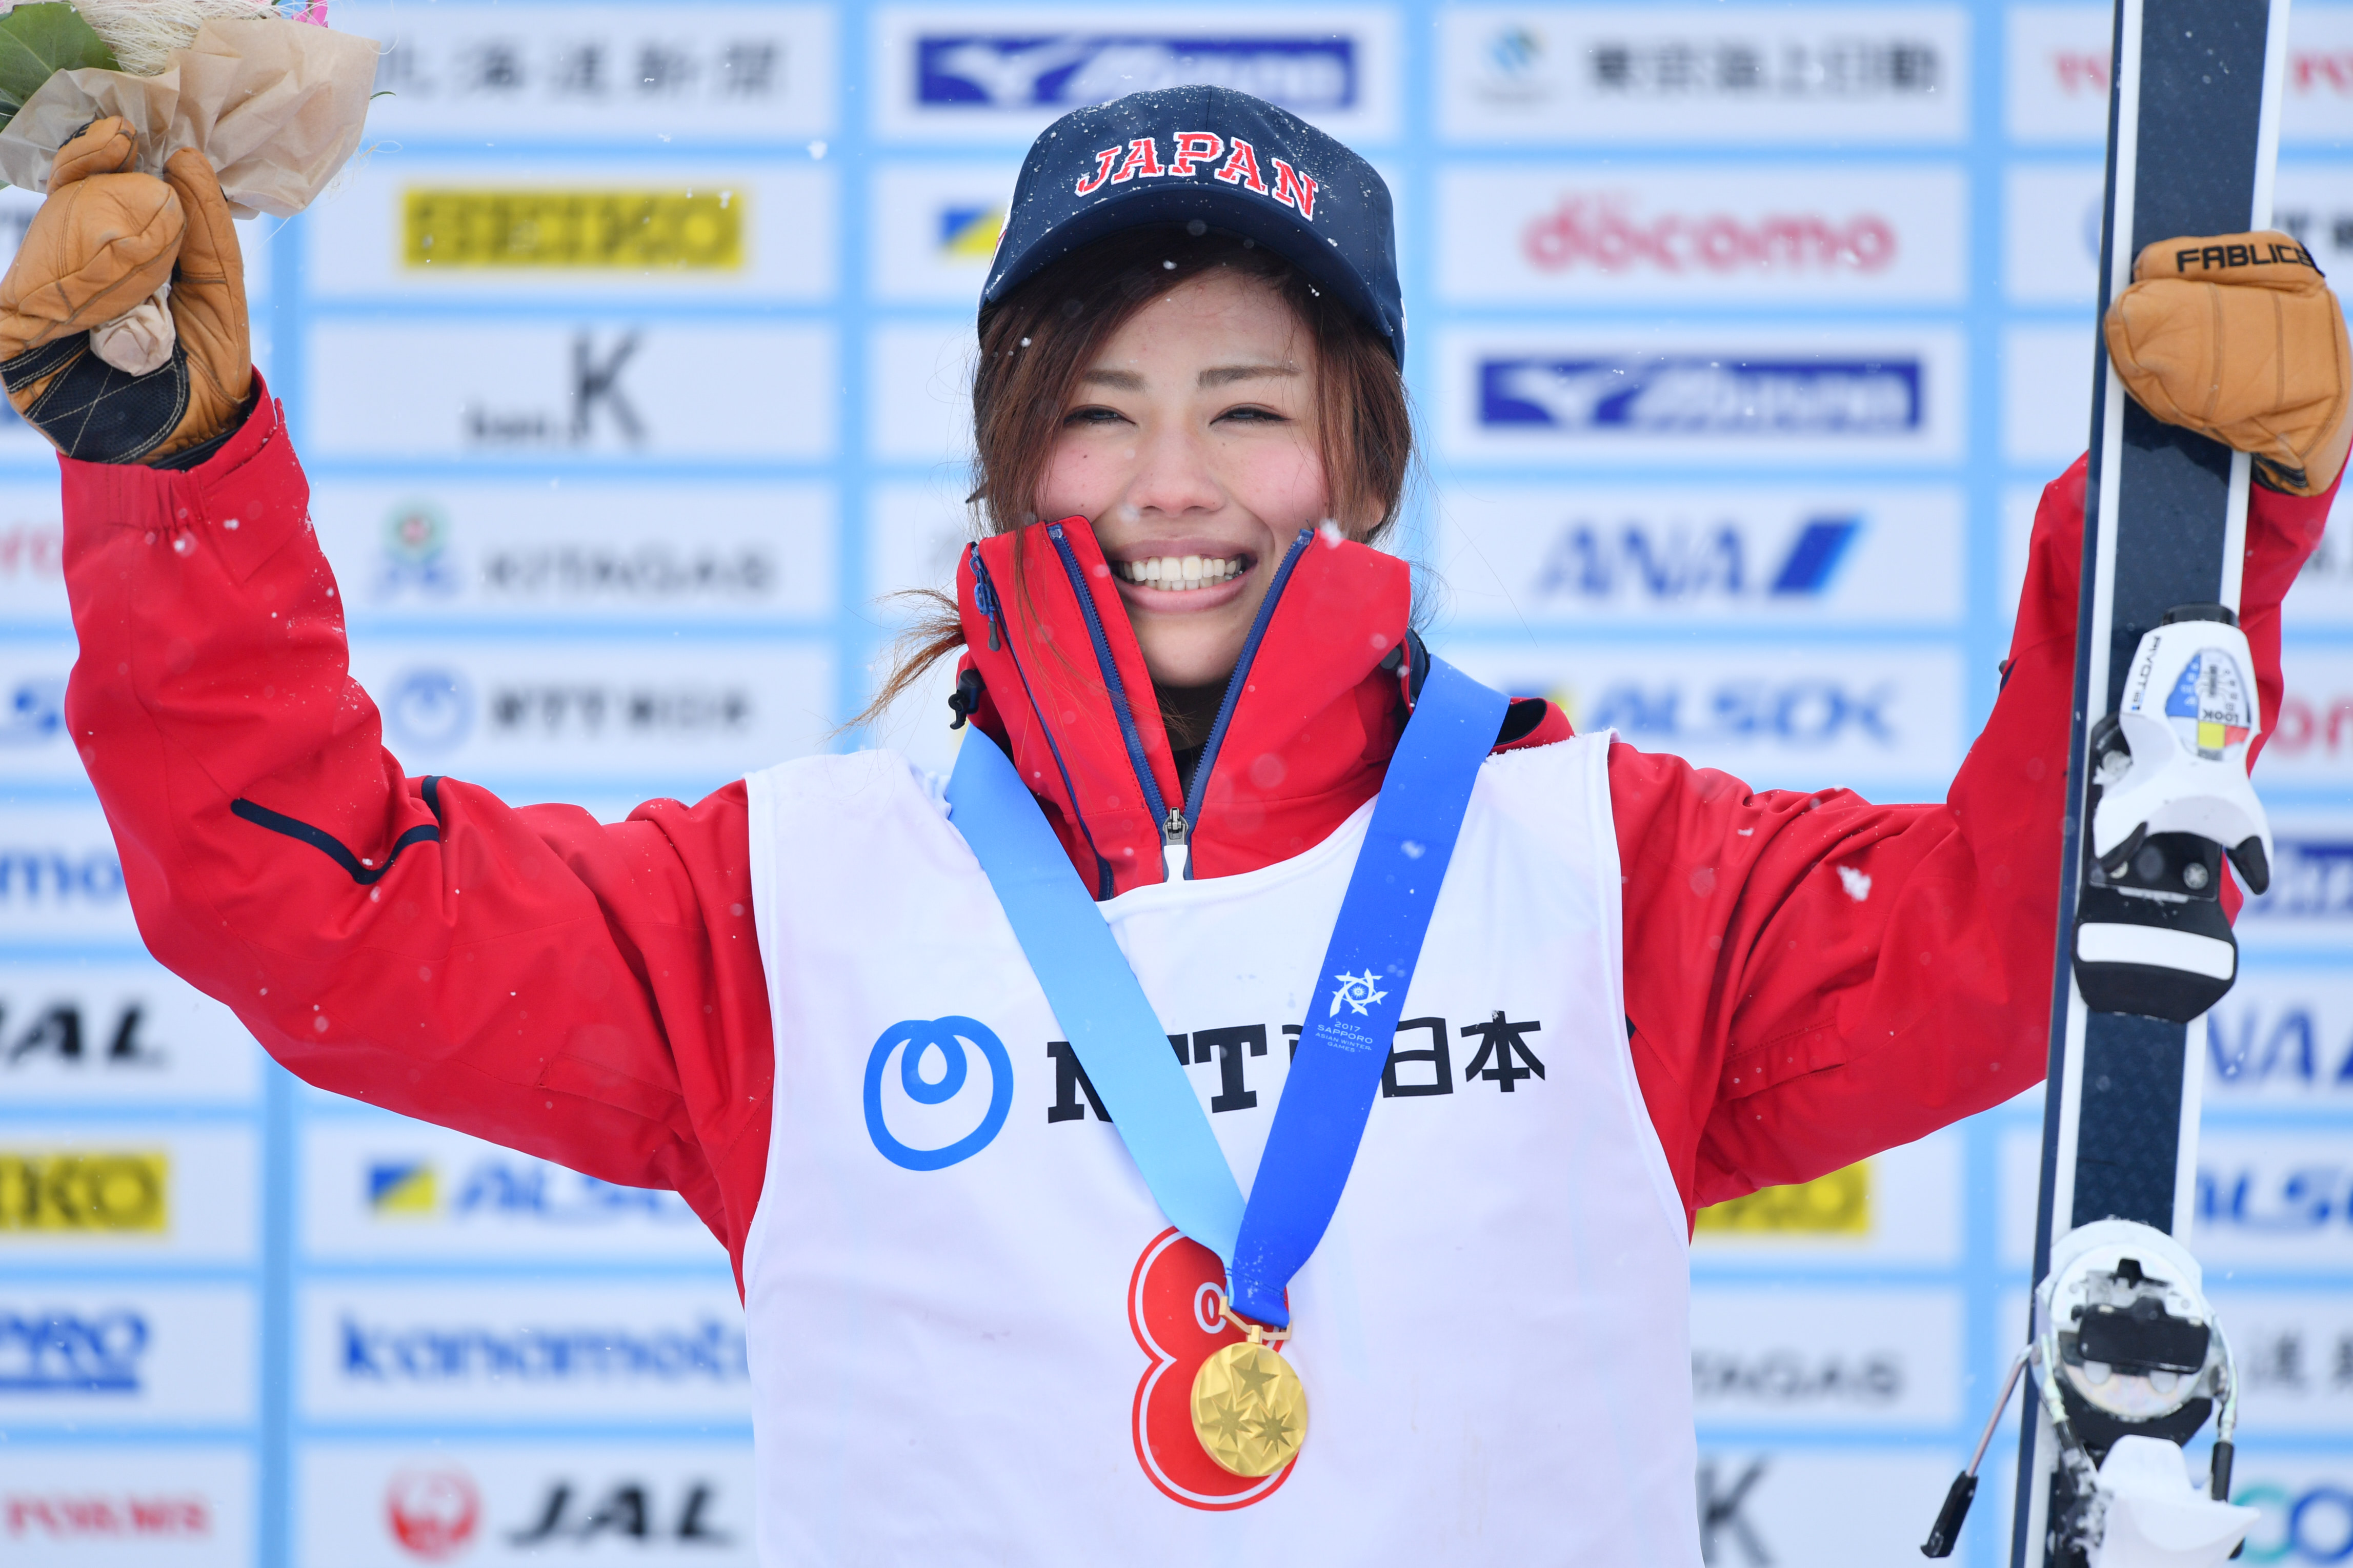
column 1190, row 443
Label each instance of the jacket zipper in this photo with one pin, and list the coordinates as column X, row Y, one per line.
column 1172, row 821
column 1176, row 822
column 1234, row 684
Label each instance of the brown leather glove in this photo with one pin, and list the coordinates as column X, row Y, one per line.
column 2236, row 336
column 102, row 242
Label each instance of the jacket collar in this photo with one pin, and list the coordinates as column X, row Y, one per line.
column 1321, row 703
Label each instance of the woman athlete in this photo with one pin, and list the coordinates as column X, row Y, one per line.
column 976, row 1334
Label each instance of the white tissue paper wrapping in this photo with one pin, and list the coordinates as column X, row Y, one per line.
column 276, row 106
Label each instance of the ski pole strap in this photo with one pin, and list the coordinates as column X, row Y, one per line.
column 1358, row 995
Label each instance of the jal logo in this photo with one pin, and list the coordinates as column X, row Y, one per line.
column 32, row 712
column 57, row 879
column 925, row 1108
column 2312, row 879
column 968, row 233
column 512, row 1188
column 433, row 1514
column 429, row 710
column 63, row 1352
column 1600, row 563
column 1611, row 232
column 69, row 1035
column 965, row 70
column 570, row 1513
column 1689, row 395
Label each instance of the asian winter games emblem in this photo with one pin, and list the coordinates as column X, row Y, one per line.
column 1359, row 991
column 2207, row 705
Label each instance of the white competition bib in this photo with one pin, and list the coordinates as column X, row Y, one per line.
column 972, row 1335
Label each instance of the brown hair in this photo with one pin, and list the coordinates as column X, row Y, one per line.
column 1038, row 340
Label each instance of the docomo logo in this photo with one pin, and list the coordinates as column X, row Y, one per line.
column 2317, row 729
column 1195, row 150
column 433, row 1513
column 1599, row 229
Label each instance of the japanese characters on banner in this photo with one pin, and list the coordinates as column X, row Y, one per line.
column 630, row 366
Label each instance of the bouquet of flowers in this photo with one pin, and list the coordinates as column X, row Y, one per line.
column 272, row 98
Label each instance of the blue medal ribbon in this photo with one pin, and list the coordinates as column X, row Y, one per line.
column 1352, row 1014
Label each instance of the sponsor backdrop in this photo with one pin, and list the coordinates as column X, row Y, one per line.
column 628, row 367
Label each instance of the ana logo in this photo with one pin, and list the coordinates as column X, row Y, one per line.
column 1673, row 564
column 970, row 233
column 968, row 70
column 1175, row 1307
column 1690, row 395
column 403, row 1189
column 934, row 1069
column 429, row 710
column 34, row 713
column 433, row 1514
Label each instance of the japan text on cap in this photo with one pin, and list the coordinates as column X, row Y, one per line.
column 1235, row 162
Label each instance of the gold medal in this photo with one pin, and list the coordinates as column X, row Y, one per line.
column 1249, row 1409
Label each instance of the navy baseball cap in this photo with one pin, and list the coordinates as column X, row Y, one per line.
column 1237, row 163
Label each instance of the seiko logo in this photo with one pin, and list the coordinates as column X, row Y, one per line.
column 1202, row 154
column 705, row 1352
column 1307, row 75
column 1600, row 563
column 1607, row 232
column 1793, row 1378
column 50, row 1193
column 65, row 1353
column 1689, row 394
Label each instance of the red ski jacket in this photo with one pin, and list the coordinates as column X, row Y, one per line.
column 593, row 993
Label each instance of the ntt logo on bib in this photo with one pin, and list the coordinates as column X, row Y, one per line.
column 930, row 1099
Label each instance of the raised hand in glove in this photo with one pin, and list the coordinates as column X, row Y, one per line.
column 102, row 243
column 2236, row 336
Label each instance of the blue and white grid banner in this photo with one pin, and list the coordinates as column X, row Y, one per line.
column 628, row 362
